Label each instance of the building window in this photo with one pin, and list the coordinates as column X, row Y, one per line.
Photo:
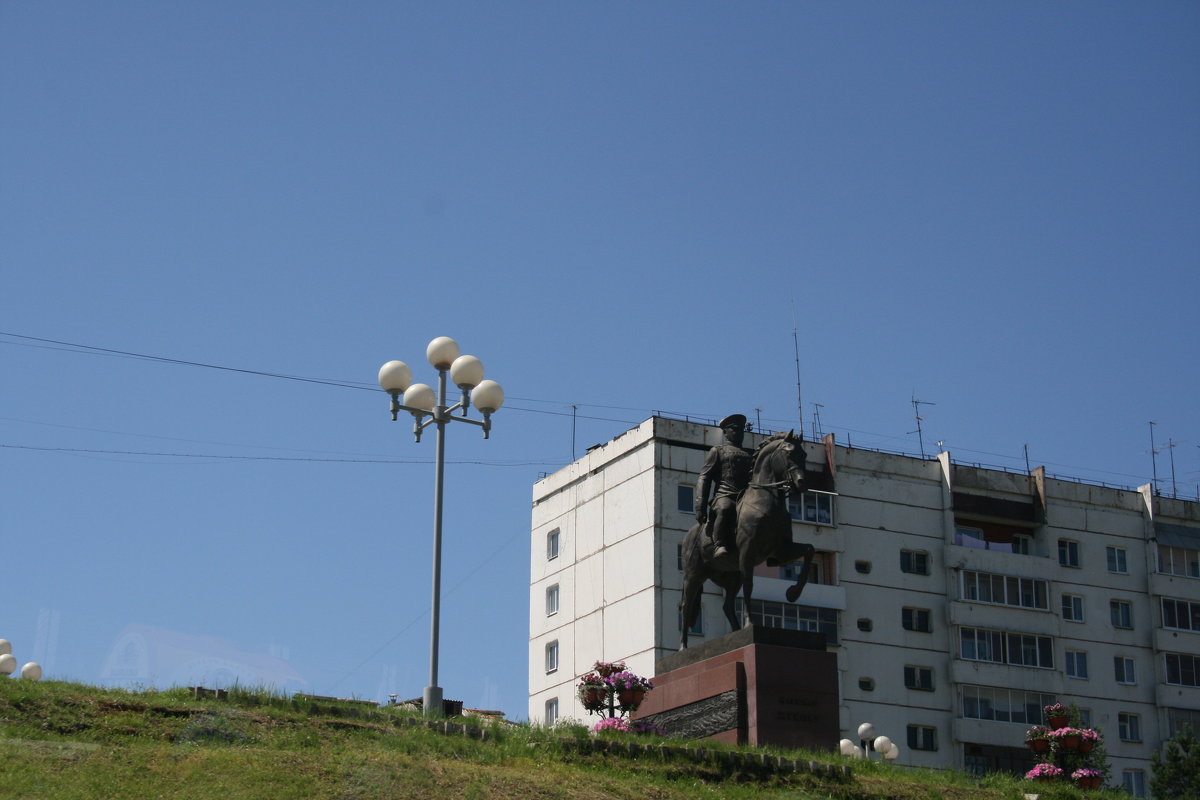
column 865, row 625
column 986, row 587
column 916, row 619
column 813, row 507
column 1183, row 669
column 1179, row 561
column 969, row 537
column 552, row 545
column 1134, row 782
column 551, row 712
column 1072, row 607
column 552, row 657
column 685, row 499
column 1129, row 727
column 862, row 567
column 1085, row 716
column 1068, row 552
column 552, row 600
column 1117, row 558
column 866, row 684
column 1002, row 647
column 1178, row 717
column 1121, row 613
column 1022, row 544
column 1076, row 664
column 1181, row 615
column 922, row 737
column 772, row 614
column 914, row 561
column 1003, row 705
column 1123, row 670
column 918, row 677
column 679, row 557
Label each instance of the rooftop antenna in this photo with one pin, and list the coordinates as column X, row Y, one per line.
column 796, row 349
column 1027, row 469
column 1153, row 457
column 817, row 420
column 758, row 419
column 1171, row 450
column 917, row 414
column 574, row 408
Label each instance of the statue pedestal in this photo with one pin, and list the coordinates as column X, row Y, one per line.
column 752, row 686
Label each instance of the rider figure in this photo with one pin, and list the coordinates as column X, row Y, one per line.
column 725, row 475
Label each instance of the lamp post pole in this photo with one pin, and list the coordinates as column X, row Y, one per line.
column 419, row 400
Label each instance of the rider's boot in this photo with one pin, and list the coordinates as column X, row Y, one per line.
column 721, row 538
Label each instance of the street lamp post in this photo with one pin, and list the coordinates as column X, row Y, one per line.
column 419, row 400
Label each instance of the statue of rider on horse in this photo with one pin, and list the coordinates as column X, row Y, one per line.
column 742, row 520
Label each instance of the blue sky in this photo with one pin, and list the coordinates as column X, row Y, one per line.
column 625, row 207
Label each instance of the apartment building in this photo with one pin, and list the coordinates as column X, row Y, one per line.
column 959, row 599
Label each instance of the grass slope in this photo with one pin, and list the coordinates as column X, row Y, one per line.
column 60, row 740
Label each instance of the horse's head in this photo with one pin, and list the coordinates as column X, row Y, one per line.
column 780, row 460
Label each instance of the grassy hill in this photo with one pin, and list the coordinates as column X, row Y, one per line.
column 61, row 740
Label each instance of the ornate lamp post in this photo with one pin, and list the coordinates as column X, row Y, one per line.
column 419, row 400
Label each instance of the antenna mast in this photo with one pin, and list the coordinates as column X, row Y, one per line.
column 796, row 349
column 1153, row 457
column 917, row 414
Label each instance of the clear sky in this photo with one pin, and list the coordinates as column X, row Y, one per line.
column 620, row 207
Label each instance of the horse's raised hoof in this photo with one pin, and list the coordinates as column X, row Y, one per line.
column 792, row 593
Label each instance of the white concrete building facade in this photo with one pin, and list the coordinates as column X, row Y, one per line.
column 958, row 599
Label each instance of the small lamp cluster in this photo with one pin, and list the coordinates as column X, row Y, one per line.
column 868, row 743
column 8, row 664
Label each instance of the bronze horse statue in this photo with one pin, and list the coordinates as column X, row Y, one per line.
column 764, row 533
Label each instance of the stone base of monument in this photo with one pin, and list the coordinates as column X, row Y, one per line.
column 753, row 686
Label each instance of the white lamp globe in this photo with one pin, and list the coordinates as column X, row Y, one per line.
column 846, row 747
column 441, row 352
column 866, row 731
column 395, row 376
column 466, row 372
column 882, row 745
column 892, row 754
column 32, row 671
column 488, row 396
column 8, row 664
column 421, row 396
column 858, row 751
column 5, row 647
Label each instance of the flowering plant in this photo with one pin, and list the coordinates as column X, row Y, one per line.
column 1057, row 710
column 622, row 725
column 1037, row 732
column 606, row 668
column 591, row 679
column 1063, row 733
column 1085, row 772
column 1043, row 772
column 1089, row 735
column 628, row 680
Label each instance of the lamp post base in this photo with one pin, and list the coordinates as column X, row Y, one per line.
column 431, row 701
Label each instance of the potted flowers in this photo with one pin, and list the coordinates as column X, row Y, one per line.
column 1044, row 772
column 1087, row 778
column 1037, row 739
column 1066, row 738
column 630, row 688
column 1057, row 715
column 592, row 689
column 1088, row 740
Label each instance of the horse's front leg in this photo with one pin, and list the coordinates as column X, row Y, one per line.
column 747, row 568
column 731, row 590
column 806, row 552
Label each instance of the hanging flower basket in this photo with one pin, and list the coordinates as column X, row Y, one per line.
column 630, row 698
column 1038, row 746
column 1057, row 722
column 592, row 697
column 1087, row 778
column 1044, row 772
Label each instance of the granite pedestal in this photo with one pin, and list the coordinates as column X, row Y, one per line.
column 753, row 686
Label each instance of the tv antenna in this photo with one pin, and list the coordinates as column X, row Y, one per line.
column 796, row 350
column 1171, row 444
column 916, row 404
column 1153, row 457
column 817, row 420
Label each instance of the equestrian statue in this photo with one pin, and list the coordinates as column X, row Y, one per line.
column 742, row 520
